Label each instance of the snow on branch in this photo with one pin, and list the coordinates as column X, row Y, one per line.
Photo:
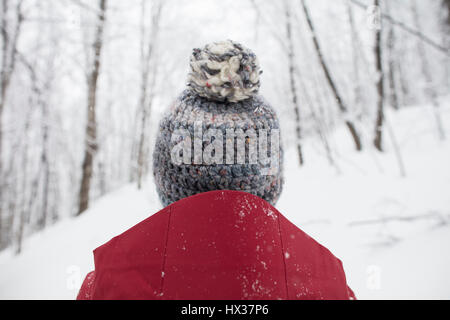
column 408, row 29
column 441, row 218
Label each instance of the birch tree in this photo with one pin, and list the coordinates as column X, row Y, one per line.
column 379, row 83
column 357, row 85
column 330, row 80
column 392, row 62
column 91, row 126
column 429, row 89
column 446, row 5
column 293, row 88
column 9, row 39
column 148, row 44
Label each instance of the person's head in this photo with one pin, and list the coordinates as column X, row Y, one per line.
column 219, row 134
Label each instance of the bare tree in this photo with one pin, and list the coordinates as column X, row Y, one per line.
column 43, row 176
column 148, row 44
column 392, row 62
column 9, row 49
column 91, row 126
column 430, row 90
column 291, row 63
column 341, row 104
column 42, row 195
column 378, row 138
column 414, row 32
column 357, row 87
column 404, row 91
column 446, row 4
column 446, row 39
column 9, row 40
column 313, row 99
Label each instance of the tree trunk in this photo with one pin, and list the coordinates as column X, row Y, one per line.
column 391, row 40
column 42, row 104
column 45, row 165
column 342, row 106
column 9, row 49
column 414, row 32
column 2, row 102
column 378, row 140
column 91, row 127
column 147, row 55
column 355, row 49
column 291, row 62
column 430, row 91
column 446, row 4
column 403, row 85
column 446, row 41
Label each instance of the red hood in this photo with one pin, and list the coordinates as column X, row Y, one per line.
column 215, row 245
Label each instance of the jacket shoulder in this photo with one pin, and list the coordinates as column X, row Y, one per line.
column 87, row 287
column 230, row 240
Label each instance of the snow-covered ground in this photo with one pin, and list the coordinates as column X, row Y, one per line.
column 392, row 233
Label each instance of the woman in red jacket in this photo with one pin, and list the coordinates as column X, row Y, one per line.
column 217, row 166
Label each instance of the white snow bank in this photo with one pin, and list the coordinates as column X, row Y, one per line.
column 55, row 261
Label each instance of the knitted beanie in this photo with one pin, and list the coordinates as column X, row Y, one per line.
column 219, row 134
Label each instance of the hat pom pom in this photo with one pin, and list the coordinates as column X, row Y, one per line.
column 224, row 71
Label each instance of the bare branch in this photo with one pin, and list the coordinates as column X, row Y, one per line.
column 443, row 219
column 408, row 29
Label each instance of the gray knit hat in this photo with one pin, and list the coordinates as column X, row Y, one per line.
column 219, row 134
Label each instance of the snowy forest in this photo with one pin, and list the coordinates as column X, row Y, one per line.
column 361, row 88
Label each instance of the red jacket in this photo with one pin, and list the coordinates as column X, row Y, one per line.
column 226, row 245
